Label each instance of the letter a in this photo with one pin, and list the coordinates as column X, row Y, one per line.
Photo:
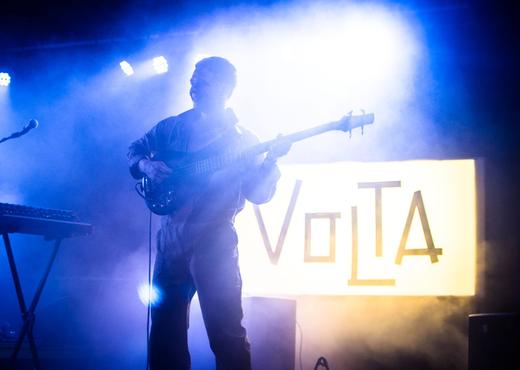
column 417, row 202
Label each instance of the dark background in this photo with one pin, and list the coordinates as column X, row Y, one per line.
column 58, row 45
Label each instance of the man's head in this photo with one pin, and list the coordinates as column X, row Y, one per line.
column 212, row 83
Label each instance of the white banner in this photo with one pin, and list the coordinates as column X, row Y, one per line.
column 394, row 228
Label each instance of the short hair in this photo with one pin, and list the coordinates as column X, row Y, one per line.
column 222, row 68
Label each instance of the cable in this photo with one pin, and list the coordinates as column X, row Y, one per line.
column 149, row 309
column 139, row 189
column 301, row 344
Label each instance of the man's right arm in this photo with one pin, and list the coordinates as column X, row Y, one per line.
column 140, row 154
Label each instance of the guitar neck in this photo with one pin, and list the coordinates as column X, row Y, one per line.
column 222, row 161
column 295, row 137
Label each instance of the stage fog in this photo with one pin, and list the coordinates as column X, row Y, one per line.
column 298, row 66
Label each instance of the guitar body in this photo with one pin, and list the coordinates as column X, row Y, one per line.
column 159, row 199
column 180, row 190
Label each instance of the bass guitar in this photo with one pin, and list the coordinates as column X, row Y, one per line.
column 166, row 198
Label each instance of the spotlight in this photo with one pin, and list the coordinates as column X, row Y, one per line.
column 126, row 68
column 160, row 64
column 5, row 79
column 153, row 294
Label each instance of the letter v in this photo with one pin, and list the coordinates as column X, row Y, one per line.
column 274, row 256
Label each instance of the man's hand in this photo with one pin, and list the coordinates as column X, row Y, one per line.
column 157, row 171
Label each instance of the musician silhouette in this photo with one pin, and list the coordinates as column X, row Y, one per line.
column 197, row 241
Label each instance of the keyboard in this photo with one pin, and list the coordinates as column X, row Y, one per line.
column 51, row 223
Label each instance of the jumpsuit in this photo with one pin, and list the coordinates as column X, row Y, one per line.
column 197, row 250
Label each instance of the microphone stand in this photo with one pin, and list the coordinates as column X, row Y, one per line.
column 13, row 136
column 32, row 124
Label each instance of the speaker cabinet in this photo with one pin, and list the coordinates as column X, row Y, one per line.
column 271, row 328
column 494, row 341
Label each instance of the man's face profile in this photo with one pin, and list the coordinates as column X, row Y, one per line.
column 208, row 90
column 212, row 83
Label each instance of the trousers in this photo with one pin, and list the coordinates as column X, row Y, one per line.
column 203, row 261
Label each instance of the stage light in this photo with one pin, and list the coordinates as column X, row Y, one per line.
column 5, row 79
column 160, row 64
column 126, row 68
column 153, row 295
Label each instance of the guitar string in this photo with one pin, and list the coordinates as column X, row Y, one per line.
column 212, row 164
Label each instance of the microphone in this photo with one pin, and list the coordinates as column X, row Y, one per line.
column 29, row 126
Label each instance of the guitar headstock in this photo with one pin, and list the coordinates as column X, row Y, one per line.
column 351, row 121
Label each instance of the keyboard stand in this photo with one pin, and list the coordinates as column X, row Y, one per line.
column 27, row 314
